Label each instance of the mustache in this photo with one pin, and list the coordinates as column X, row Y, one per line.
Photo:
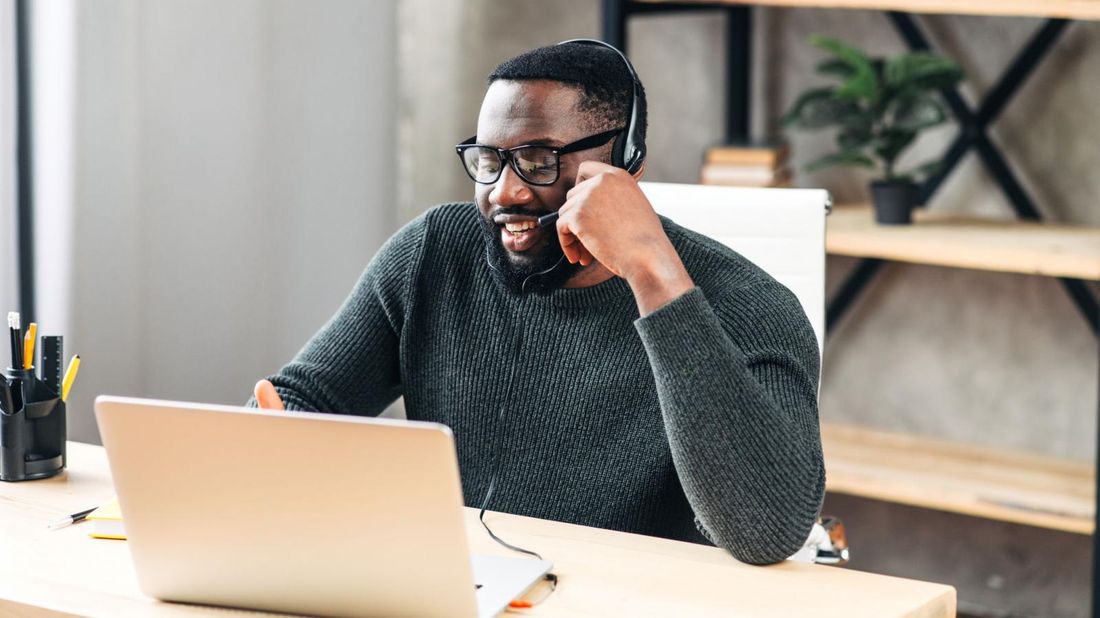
column 513, row 210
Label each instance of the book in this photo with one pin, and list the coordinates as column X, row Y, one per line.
column 743, row 176
column 107, row 522
column 763, row 154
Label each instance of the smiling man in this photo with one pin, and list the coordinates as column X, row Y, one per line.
column 611, row 369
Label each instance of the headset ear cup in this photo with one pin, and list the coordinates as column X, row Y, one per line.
column 618, row 150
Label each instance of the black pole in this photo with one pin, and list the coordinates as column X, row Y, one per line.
column 738, row 73
column 614, row 23
column 24, row 157
column 850, row 289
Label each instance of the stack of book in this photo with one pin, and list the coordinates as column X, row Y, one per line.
column 747, row 165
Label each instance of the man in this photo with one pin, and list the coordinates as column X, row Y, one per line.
column 614, row 370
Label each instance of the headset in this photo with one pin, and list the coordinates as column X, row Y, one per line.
column 629, row 151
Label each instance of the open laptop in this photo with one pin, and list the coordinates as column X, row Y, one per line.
column 299, row 512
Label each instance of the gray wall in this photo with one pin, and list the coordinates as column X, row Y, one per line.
column 978, row 357
column 234, row 176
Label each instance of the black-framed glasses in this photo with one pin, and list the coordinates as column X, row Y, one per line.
column 537, row 165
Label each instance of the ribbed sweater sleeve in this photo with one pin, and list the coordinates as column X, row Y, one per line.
column 737, row 387
column 352, row 364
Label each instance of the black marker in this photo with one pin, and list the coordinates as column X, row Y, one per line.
column 16, row 341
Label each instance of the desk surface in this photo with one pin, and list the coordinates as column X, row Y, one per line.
column 602, row 573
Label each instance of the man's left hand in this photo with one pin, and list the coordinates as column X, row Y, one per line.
column 606, row 218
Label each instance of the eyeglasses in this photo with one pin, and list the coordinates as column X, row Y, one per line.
column 537, row 165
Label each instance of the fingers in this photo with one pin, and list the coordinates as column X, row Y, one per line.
column 588, row 169
column 267, row 397
column 572, row 247
column 570, row 244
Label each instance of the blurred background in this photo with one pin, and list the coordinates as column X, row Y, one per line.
column 212, row 177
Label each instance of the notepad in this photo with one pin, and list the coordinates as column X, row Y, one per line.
column 107, row 522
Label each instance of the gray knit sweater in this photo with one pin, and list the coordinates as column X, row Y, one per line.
column 700, row 417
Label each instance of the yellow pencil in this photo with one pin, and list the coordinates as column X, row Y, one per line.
column 70, row 375
column 28, row 346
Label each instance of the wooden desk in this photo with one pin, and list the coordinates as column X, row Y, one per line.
column 602, row 573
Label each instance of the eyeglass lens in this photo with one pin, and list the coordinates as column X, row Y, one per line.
column 535, row 164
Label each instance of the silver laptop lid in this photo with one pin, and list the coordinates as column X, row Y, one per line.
column 307, row 513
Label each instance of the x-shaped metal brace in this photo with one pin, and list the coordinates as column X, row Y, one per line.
column 973, row 134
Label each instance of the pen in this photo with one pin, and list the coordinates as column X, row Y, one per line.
column 16, row 343
column 70, row 375
column 71, row 519
column 28, row 345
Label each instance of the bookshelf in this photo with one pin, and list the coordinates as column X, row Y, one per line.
column 974, row 480
column 939, row 239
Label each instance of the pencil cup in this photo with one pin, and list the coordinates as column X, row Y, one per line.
column 32, row 436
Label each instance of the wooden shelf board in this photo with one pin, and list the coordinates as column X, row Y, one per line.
column 1069, row 9
column 973, row 480
column 984, row 244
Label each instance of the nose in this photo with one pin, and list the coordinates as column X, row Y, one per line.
column 510, row 189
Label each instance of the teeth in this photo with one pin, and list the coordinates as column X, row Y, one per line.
column 519, row 227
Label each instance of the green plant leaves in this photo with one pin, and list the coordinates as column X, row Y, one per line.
column 891, row 142
column 879, row 107
column 835, row 68
column 863, row 83
column 931, row 168
column 917, row 112
column 856, row 159
column 921, row 71
column 856, row 132
column 819, row 108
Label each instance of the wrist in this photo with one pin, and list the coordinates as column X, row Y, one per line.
column 658, row 279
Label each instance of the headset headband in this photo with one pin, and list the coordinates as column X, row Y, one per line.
column 629, row 150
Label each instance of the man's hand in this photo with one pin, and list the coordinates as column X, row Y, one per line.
column 607, row 219
column 267, row 397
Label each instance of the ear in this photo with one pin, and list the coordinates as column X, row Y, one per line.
column 637, row 176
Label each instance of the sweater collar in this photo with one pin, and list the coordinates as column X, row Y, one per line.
column 613, row 290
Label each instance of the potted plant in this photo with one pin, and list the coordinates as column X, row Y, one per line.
column 879, row 107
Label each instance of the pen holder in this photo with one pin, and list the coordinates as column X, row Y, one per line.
column 32, row 436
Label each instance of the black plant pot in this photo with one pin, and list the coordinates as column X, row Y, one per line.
column 894, row 201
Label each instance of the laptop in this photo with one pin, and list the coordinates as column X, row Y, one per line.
column 306, row 513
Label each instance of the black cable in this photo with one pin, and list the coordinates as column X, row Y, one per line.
column 500, row 416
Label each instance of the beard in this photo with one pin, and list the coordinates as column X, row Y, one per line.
column 542, row 271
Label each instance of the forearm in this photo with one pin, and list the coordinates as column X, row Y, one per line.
column 743, row 431
column 350, row 366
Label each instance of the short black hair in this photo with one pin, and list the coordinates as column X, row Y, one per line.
column 607, row 90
